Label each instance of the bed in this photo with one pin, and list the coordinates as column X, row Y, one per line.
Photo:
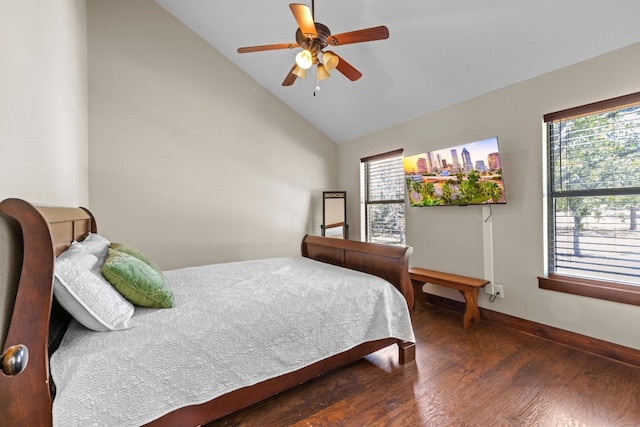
column 34, row 238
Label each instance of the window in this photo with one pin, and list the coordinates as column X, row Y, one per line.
column 382, row 198
column 593, row 200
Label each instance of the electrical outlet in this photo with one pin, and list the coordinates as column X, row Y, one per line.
column 497, row 290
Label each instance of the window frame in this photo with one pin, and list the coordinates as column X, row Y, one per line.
column 594, row 288
column 366, row 202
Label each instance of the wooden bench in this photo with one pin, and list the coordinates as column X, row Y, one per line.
column 468, row 287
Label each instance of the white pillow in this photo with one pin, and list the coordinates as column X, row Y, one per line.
column 81, row 289
column 97, row 245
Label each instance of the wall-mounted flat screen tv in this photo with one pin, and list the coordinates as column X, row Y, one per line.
column 467, row 174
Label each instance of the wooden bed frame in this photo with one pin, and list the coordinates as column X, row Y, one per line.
column 38, row 322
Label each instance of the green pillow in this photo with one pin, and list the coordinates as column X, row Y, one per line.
column 138, row 282
column 136, row 253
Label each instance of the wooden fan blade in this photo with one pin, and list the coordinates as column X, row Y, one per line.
column 359, row 36
column 347, row 69
column 267, row 47
column 291, row 78
column 304, row 18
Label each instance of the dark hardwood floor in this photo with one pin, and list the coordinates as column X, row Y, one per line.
column 485, row 376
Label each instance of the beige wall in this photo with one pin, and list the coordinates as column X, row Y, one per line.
column 43, row 101
column 191, row 161
column 451, row 238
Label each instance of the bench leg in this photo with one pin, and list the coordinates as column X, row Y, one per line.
column 418, row 294
column 471, row 310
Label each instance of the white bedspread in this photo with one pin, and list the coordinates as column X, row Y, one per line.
column 234, row 325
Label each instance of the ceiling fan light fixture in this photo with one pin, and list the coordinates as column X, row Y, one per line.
column 322, row 72
column 330, row 60
column 300, row 72
column 304, row 59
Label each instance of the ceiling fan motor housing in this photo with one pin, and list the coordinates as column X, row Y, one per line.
column 314, row 45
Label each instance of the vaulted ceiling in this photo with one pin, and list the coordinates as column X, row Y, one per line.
column 438, row 53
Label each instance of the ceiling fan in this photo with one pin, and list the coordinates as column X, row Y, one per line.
column 313, row 37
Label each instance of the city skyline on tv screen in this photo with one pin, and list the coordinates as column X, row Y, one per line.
column 465, row 174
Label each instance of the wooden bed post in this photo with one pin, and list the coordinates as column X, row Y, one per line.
column 406, row 352
column 26, row 397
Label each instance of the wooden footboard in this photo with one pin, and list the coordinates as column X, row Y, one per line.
column 26, row 399
column 389, row 262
